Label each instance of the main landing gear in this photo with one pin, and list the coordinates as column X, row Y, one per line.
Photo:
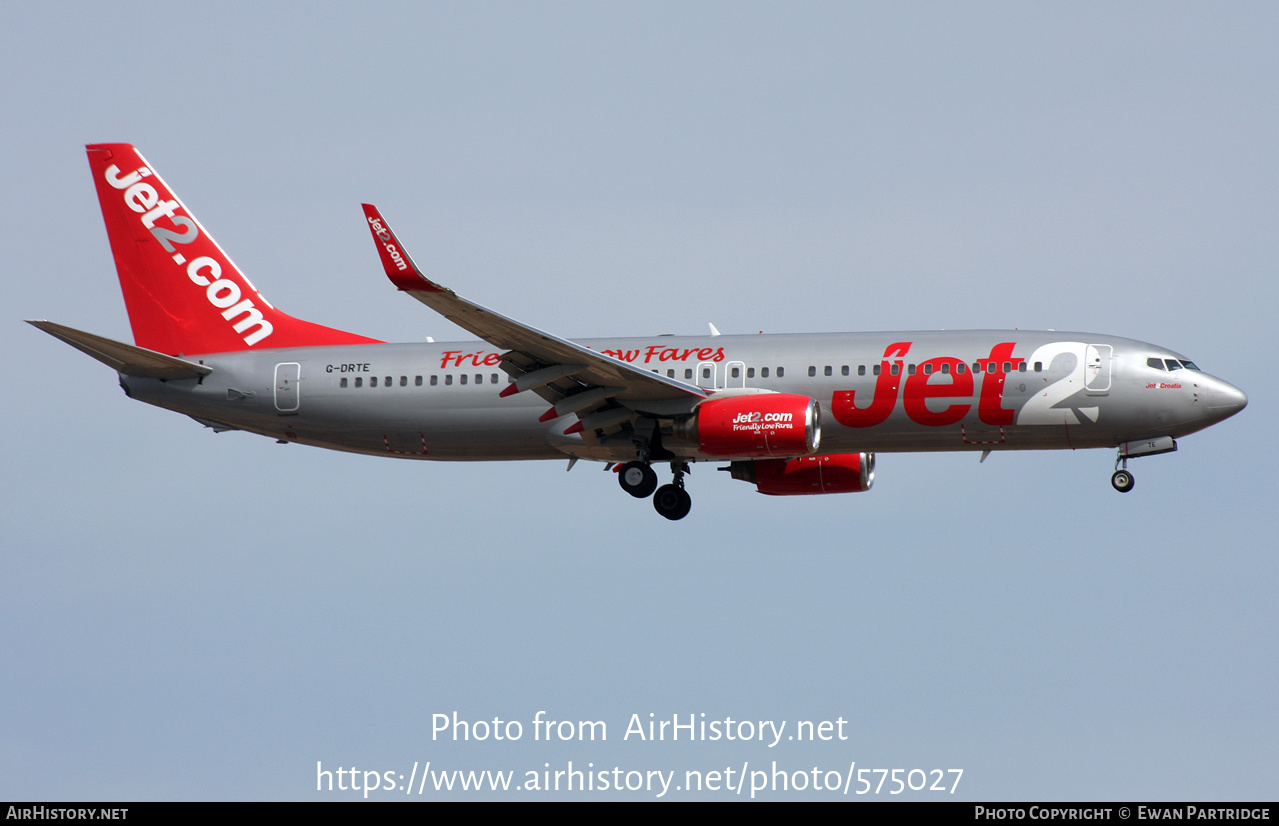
column 672, row 501
column 640, row 480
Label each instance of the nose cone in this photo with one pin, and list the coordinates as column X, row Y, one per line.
column 1225, row 400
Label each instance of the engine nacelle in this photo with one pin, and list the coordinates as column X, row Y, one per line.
column 838, row 473
column 763, row 424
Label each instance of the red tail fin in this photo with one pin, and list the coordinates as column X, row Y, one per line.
column 183, row 294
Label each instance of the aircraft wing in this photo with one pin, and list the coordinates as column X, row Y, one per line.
column 572, row 377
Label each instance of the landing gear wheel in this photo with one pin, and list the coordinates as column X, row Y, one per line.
column 637, row 479
column 672, row 501
column 1122, row 480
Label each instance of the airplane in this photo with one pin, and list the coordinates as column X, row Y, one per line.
column 796, row 414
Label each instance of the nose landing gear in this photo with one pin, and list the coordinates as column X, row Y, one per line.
column 1122, row 478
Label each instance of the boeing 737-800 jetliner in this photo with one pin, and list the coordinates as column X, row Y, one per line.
column 790, row 414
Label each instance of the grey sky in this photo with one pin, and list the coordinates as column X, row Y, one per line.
column 198, row 616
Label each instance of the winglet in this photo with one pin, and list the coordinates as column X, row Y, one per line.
column 399, row 267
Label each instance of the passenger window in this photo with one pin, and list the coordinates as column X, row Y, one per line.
column 781, row 371
column 373, row 381
column 404, row 381
column 960, row 368
column 493, row 379
column 896, row 370
column 910, row 369
column 1008, row 368
column 342, row 383
column 463, row 379
column 448, row 379
column 737, row 372
column 670, row 374
column 812, row 371
column 435, row 380
column 828, row 371
column 763, row 372
column 928, row 369
column 750, row 372
column 706, row 372
column 945, row 368
column 976, row 366
column 843, row 371
column 417, row 381
column 688, row 374
column 359, row 382
column 1039, row 367
column 875, row 369
column 861, row 370
column 388, row 382
column 1021, row 367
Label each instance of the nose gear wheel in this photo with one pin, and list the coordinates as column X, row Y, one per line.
column 1122, row 479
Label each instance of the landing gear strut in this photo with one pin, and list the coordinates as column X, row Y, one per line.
column 672, row 501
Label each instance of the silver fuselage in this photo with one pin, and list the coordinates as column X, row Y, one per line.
column 1048, row 390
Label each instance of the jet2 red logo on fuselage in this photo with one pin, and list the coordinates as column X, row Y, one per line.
column 925, row 385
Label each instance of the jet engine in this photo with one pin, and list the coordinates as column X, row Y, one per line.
column 764, row 424
column 837, row 473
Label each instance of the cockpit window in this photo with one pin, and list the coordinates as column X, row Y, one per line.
column 1172, row 364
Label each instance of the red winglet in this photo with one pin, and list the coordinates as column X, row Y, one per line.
column 403, row 273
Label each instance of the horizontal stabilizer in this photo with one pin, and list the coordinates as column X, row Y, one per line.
column 124, row 358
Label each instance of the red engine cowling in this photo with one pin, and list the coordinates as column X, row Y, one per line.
column 763, row 424
column 838, row 473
